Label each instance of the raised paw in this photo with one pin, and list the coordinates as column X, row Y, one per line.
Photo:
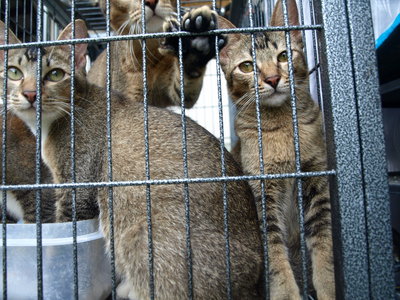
column 200, row 20
column 198, row 49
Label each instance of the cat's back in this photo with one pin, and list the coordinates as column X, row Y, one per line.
column 166, row 157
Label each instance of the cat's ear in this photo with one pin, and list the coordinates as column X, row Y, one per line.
column 80, row 49
column 293, row 14
column 231, row 39
column 12, row 39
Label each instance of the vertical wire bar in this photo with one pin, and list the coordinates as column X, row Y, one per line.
column 16, row 17
column 185, row 162
column 4, row 151
column 223, row 169
column 374, row 165
column 297, row 151
column 260, row 157
column 31, row 23
column 147, row 161
column 39, row 30
column 24, row 23
column 109, row 158
column 72, row 157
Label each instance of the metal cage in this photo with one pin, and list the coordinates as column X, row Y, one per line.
column 340, row 36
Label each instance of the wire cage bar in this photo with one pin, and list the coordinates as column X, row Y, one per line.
column 340, row 42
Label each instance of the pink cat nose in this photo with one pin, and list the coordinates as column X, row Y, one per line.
column 273, row 80
column 30, row 95
column 152, row 4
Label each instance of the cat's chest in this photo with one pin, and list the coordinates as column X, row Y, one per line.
column 277, row 143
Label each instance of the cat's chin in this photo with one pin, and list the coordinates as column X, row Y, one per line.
column 154, row 24
column 274, row 100
column 28, row 115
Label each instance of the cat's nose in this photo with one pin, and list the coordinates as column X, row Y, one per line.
column 273, row 80
column 30, row 95
column 151, row 3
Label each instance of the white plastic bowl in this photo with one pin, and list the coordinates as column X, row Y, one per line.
column 94, row 276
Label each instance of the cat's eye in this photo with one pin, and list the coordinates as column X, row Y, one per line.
column 282, row 57
column 14, row 73
column 55, row 75
column 246, row 67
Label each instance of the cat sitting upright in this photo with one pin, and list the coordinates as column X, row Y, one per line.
column 168, row 218
column 278, row 152
column 163, row 74
column 20, row 167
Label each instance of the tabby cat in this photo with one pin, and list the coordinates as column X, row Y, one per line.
column 163, row 75
column 20, row 169
column 278, row 152
column 128, row 163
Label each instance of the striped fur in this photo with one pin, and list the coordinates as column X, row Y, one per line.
column 130, row 215
column 282, row 214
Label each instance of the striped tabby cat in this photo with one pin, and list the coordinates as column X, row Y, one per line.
column 278, row 153
column 170, row 268
column 163, row 75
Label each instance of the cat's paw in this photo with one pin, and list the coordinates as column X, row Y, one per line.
column 197, row 50
column 199, row 20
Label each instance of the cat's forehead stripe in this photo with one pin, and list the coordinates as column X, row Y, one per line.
column 31, row 53
column 262, row 41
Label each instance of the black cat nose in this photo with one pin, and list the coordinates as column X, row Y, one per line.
column 30, row 95
column 273, row 80
column 152, row 4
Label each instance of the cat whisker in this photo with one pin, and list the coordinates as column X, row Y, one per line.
column 133, row 30
column 123, row 27
column 247, row 98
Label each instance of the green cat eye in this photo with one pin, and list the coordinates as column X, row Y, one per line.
column 14, row 73
column 55, row 75
column 246, row 67
column 282, row 57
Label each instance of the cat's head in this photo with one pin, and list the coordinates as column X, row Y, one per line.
column 272, row 63
column 55, row 76
column 126, row 15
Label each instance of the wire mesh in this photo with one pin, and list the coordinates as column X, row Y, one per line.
column 39, row 27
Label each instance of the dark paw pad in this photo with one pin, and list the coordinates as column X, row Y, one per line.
column 199, row 49
column 200, row 20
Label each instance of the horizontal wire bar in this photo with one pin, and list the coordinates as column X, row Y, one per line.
column 165, row 181
column 159, row 35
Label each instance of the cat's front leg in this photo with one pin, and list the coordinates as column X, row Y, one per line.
column 319, row 236
column 197, row 50
column 282, row 283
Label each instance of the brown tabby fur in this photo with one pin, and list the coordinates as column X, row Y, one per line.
column 21, row 149
column 129, row 203
column 279, row 156
column 163, row 76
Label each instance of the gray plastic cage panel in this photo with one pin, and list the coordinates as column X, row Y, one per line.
column 373, row 150
column 355, row 141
